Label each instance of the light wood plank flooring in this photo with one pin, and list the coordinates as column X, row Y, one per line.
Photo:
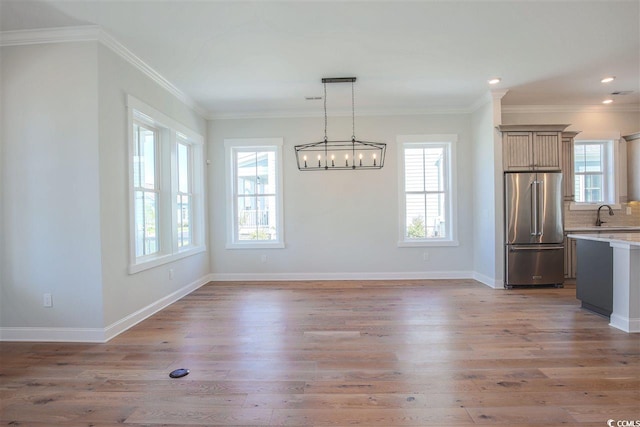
column 392, row 353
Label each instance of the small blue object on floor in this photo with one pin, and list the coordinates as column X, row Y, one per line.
column 179, row 373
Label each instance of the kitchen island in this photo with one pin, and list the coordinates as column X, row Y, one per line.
column 626, row 276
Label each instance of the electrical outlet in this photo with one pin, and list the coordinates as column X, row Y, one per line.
column 629, row 210
column 171, row 274
column 425, row 256
column 263, row 258
column 47, row 300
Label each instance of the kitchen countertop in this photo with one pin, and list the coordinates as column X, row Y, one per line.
column 626, row 275
column 604, row 228
column 632, row 239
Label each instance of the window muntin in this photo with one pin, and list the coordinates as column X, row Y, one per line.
column 427, row 194
column 255, row 193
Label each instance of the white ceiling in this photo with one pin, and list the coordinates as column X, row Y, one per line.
column 236, row 58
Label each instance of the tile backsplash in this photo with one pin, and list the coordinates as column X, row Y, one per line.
column 574, row 219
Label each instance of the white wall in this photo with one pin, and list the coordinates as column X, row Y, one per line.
column 51, row 205
column 340, row 224
column 2, row 179
column 65, row 205
column 487, row 195
column 125, row 294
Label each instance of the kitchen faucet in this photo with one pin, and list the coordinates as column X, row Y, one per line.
column 599, row 222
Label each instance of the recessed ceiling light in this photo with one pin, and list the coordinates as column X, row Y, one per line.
column 608, row 79
column 607, row 101
column 495, row 80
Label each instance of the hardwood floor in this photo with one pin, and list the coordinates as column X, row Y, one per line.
column 392, row 353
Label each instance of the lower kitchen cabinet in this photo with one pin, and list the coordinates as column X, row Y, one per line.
column 594, row 278
column 570, row 257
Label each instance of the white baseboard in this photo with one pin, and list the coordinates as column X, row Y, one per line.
column 97, row 335
column 34, row 334
column 127, row 322
column 417, row 275
column 489, row 281
column 101, row 335
column 624, row 323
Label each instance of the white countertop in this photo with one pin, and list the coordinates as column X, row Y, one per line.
column 632, row 239
column 604, row 228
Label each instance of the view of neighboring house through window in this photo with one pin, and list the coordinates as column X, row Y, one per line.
column 427, row 189
column 256, row 216
column 591, row 159
column 145, row 183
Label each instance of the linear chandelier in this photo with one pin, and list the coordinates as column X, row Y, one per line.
column 340, row 155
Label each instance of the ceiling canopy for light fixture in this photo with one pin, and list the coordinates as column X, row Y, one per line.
column 339, row 155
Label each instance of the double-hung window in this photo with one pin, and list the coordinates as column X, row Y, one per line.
column 166, row 186
column 254, row 193
column 593, row 167
column 184, row 193
column 145, row 189
column 427, row 205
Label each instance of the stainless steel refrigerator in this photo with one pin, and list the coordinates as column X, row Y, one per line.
column 534, row 250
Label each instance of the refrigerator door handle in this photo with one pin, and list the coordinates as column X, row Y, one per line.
column 540, row 206
column 534, row 209
column 513, row 248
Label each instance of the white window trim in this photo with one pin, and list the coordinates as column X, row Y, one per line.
column 190, row 191
column 451, row 141
column 613, row 176
column 169, row 251
column 258, row 143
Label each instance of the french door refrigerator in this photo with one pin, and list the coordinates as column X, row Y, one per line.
column 534, row 250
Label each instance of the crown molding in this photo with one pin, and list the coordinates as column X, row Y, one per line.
column 624, row 108
column 109, row 41
column 95, row 33
column 488, row 97
column 287, row 114
column 49, row 35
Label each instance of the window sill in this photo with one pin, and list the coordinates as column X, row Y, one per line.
column 165, row 259
column 255, row 245
column 592, row 206
column 425, row 243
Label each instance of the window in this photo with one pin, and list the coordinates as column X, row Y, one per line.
column 254, row 193
column 166, row 184
column 184, row 196
column 594, row 176
column 427, row 190
column 145, row 188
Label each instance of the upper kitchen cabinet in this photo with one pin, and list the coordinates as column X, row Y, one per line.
column 633, row 165
column 568, row 187
column 532, row 147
